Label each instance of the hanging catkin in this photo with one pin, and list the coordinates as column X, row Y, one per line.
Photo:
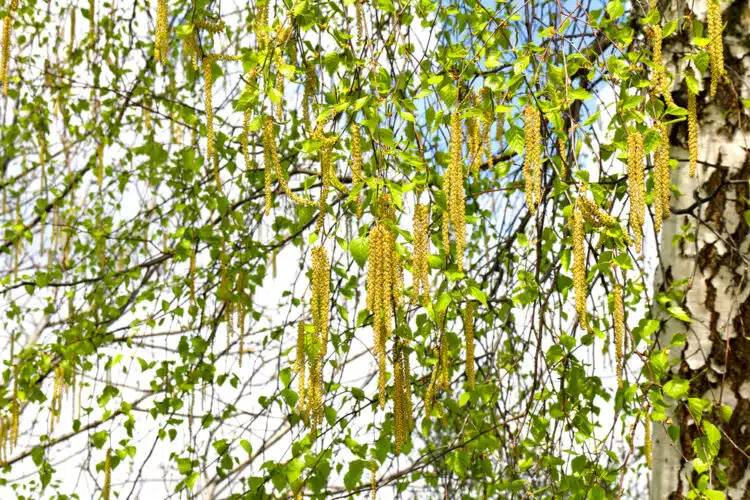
column 106, row 489
column 402, row 412
column 420, row 267
column 326, row 174
column 321, row 295
column 384, row 283
column 488, row 117
column 659, row 77
column 299, row 368
column 619, row 314
column 56, row 400
column 211, row 156
column 532, row 161
column 692, row 132
column 647, row 444
column 241, row 311
column 469, row 331
column 715, row 44
column 5, row 55
column 320, row 305
column 594, row 215
column 271, row 158
column 636, row 188
column 562, row 150
column 210, row 153
column 308, row 95
column 661, row 176
column 161, row 41
column 356, row 163
column 453, row 185
column 474, row 140
column 280, row 78
column 579, row 264
column 92, row 23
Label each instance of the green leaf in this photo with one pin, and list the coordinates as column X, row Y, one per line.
column 676, row 388
column 464, row 399
column 478, row 294
column 359, row 249
column 615, row 9
column 679, row 313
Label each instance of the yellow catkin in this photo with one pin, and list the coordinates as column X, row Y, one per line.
column 192, row 277
column 72, row 39
column 321, row 294
column 647, row 444
column 356, row 162
column 268, row 166
column 299, row 367
column 261, row 22
column 384, row 283
column 659, row 78
column 443, row 379
column 326, row 174
column 532, row 158
column 279, row 85
column 455, row 194
column 619, row 314
column 212, row 26
column 636, row 188
column 320, row 305
column 100, row 164
column 5, row 58
column 562, row 150
column 210, row 139
column 247, row 118
column 402, row 413
column 191, row 48
column 487, row 120
column 420, row 265
column 474, row 140
column 715, row 44
column 579, row 264
column 594, row 215
column 440, row 376
column 359, row 11
column 241, row 311
column 692, row 132
column 661, row 176
column 56, row 400
column 4, row 424
column 499, row 128
column 271, row 158
column 398, row 402
column 161, row 41
column 92, row 22
column 469, row 331
column 210, row 153
column 106, row 489
column 14, row 412
column 373, row 480
column 308, row 95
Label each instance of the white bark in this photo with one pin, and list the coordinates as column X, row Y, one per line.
column 716, row 265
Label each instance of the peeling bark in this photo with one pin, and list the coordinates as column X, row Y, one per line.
column 716, row 356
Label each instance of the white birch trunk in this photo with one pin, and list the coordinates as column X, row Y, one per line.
column 716, row 356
